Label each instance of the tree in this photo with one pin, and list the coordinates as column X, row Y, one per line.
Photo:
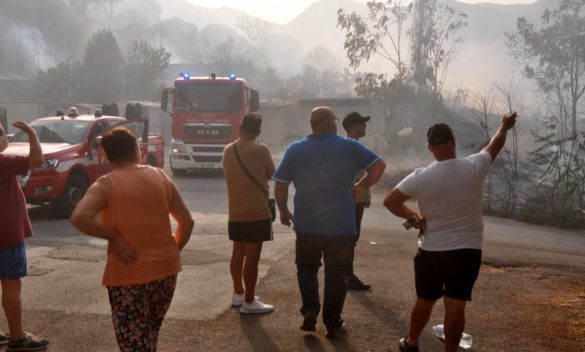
column 483, row 107
column 106, row 5
column 101, row 69
column 218, row 47
column 144, row 65
column 183, row 39
column 373, row 34
column 60, row 81
column 435, row 37
column 371, row 86
column 322, row 59
column 502, row 181
column 509, row 99
column 270, row 84
column 554, row 57
column 254, row 31
column 52, row 27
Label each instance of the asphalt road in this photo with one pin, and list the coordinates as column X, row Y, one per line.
column 64, row 300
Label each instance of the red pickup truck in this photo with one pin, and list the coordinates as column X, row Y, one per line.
column 74, row 158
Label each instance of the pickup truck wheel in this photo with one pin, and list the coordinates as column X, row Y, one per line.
column 72, row 194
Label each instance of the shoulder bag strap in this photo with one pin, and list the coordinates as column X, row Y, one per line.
column 256, row 182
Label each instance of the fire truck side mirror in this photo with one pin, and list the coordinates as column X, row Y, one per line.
column 165, row 98
column 254, row 101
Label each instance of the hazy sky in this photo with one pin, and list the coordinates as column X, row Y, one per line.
column 282, row 11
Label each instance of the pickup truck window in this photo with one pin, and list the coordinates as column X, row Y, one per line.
column 97, row 129
column 56, row 131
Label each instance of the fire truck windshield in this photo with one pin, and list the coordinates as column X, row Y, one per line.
column 209, row 97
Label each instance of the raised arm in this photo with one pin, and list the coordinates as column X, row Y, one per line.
column 499, row 139
column 35, row 156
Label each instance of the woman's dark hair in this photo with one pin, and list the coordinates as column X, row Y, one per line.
column 120, row 144
column 251, row 123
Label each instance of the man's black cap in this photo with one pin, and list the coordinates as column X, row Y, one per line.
column 251, row 123
column 353, row 118
column 439, row 133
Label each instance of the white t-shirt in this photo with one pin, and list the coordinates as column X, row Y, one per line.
column 449, row 194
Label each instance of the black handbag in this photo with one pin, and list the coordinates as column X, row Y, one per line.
column 271, row 202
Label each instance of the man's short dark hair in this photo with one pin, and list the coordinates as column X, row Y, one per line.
column 439, row 133
column 119, row 144
column 251, row 123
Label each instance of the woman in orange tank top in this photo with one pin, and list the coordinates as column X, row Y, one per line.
column 134, row 202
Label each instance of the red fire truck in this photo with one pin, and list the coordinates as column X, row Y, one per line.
column 74, row 158
column 205, row 112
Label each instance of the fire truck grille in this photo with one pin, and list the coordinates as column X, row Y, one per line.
column 207, row 149
column 202, row 131
column 207, row 158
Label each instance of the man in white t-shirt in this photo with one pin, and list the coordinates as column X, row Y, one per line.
column 449, row 193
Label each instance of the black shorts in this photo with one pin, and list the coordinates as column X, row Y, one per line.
column 250, row 231
column 449, row 273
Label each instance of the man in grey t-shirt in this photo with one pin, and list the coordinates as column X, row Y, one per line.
column 449, row 195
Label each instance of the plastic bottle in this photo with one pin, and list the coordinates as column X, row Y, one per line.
column 466, row 339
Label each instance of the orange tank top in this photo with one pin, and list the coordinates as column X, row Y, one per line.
column 138, row 209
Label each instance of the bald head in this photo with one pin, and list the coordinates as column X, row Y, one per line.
column 323, row 120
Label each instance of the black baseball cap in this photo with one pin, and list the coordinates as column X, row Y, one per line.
column 353, row 118
column 439, row 133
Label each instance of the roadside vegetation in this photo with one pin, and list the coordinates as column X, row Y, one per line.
column 540, row 175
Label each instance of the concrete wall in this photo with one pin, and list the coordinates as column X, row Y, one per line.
column 282, row 124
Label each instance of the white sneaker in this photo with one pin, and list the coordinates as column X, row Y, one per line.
column 256, row 307
column 238, row 300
